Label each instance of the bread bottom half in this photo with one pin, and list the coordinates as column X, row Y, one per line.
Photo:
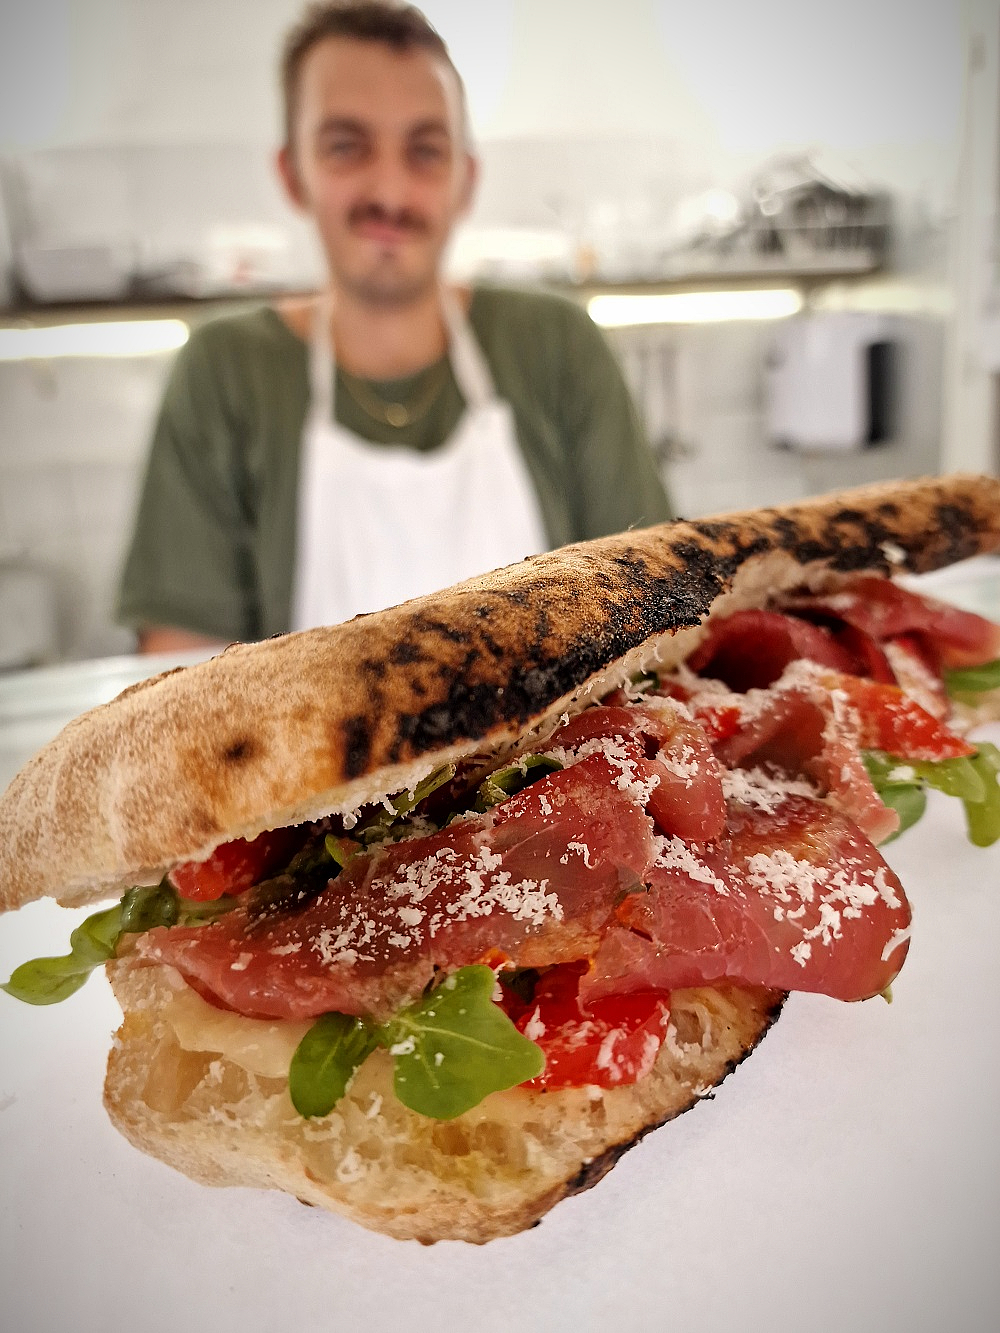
column 491, row 1172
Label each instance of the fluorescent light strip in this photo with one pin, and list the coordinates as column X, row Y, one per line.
column 137, row 337
column 694, row 307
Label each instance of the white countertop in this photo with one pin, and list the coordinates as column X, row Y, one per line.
column 846, row 1177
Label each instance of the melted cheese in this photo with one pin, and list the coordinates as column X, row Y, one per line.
column 261, row 1047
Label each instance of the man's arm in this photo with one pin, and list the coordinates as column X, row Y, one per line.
column 617, row 481
column 163, row 639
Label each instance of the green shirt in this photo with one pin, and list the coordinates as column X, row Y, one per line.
column 214, row 544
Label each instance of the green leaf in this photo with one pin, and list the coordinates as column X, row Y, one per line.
column 341, row 850
column 909, row 802
column 974, row 781
column 50, row 980
column 509, row 781
column 983, row 817
column 325, row 1061
column 973, row 680
column 192, row 913
column 95, row 940
column 455, row 1047
column 954, row 777
column 408, row 801
column 385, row 823
column 147, row 907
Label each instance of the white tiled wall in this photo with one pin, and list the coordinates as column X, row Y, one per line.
column 707, row 416
column 73, row 437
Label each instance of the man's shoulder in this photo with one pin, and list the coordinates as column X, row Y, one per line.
column 537, row 331
column 526, row 306
column 256, row 329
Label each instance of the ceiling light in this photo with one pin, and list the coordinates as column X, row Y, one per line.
column 694, row 307
column 135, row 337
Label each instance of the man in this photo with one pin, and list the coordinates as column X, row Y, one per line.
column 338, row 454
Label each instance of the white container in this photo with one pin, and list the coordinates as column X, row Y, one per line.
column 830, row 381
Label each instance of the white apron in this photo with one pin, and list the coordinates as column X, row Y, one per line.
column 378, row 523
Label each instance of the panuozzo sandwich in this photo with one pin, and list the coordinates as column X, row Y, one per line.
column 427, row 917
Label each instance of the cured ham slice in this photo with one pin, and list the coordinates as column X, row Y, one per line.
column 795, row 898
column 884, row 610
column 658, row 740
column 750, row 649
column 814, row 723
column 533, row 881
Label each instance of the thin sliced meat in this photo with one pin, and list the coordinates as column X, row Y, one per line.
column 804, row 728
column 750, row 649
column 915, row 672
column 660, row 744
column 814, row 723
column 795, row 898
column 533, row 881
column 885, row 610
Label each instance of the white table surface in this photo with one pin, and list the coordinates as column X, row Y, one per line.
column 847, row 1177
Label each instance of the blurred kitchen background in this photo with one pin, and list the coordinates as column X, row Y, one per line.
column 784, row 214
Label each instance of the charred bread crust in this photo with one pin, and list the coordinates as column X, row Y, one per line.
column 493, row 1172
column 306, row 724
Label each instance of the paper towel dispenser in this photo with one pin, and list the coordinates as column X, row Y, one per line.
column 831, row 381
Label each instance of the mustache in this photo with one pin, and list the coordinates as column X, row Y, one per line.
column 403, row 218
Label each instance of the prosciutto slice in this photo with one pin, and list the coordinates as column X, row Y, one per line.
column 532, row 882
column 795, row 897
column 884, row 610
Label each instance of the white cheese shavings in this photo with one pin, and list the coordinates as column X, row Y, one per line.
column 801, row 952
column 606, row 1052
column 535, row 1028
column 581, row 849
column 897, row 938
column 676, row 854
column 756, row 788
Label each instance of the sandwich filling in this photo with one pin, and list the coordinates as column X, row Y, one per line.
column 717, row 824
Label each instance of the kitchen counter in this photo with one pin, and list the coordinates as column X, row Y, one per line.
column 844, row 1178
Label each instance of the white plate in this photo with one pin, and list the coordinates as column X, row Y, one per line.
column 847, row 1177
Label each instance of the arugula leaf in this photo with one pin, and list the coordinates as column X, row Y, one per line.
column 900, row 783
column 95, row 940
column 973, row 680
column 50, row 980
column 341, row 850
column 325, row 1061
column 455, row 1047
column 382, row 825
column 909, row 802
column 509, row 781
column 982, row 818
column 407, row 802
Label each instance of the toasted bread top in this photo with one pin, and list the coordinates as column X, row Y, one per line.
column 325, row 720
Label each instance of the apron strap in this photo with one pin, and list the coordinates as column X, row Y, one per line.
column 472, row 374
column 322, row 382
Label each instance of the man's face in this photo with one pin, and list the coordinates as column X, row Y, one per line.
column 378, row 158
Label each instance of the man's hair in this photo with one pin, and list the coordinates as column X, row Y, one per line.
column 401, row 27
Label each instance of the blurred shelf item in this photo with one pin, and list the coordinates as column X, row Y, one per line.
column 801, row 215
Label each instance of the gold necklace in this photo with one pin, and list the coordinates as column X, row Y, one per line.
column 397, row 414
